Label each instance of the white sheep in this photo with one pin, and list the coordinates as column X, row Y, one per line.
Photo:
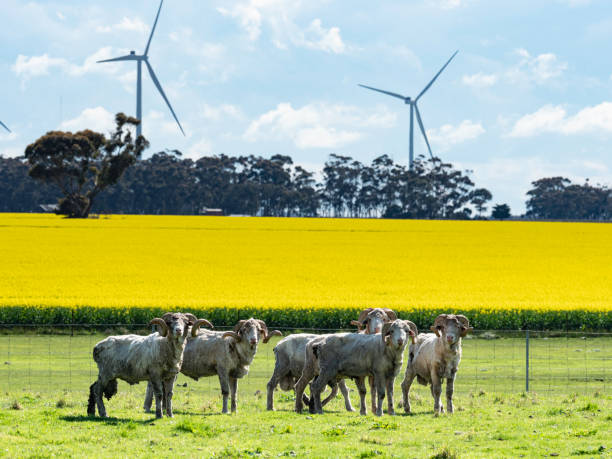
column 226, row 354
column 434, row 357
column 289, row 356
column 355, row 355
column 133, row 358
column 371, row 321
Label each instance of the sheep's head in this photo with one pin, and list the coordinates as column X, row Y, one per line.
column 398, row 332
column 174, row 325
column 251, row 331
column 451, row 327
column 373, row 319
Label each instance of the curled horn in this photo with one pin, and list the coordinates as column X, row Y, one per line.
column 439, row 322
column 465, row 322
column 239, row 325
column 167, row 316
column 197, row 324
column 191, row 317
column 412, row 330
column 263, row 327
column 385, row 331
column 391, row 314
column 363, row 315
column 272, row 333
column 161, row 323
column 231, row 334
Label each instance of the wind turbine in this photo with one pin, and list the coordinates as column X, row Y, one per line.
column 139, row 60
column 414, row 108
column 4, row 126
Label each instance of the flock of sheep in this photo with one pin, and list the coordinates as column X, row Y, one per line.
column 375, row 351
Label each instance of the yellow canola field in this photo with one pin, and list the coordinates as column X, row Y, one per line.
column 274, row 263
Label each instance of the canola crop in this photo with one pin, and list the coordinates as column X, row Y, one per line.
column 275, row 264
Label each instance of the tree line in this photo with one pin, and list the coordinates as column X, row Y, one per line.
column 86, row 171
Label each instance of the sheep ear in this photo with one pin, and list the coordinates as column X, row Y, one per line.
column 466, row 331
column 356, row 323
column 435, row 330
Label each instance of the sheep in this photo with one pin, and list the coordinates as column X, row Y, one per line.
column 371, row 321
column 435, row 356
column 226, row 354
column 356, row 355
column 289, row 356
column 134, row 358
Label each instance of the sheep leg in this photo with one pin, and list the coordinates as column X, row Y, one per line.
column 168, row 392
column 225, row 388
column 300, row 386
column 390, row 407
column 158, row 390
column 373, row 396
column 317, row 387
column 406, row 383
column 436, row 391
column 360, row 383
column 345, row 394
column 98, row 390
column 148, row 398
column 271, row 386
column 334, row 391
column 233, row 390
column 450, row 388
column 379, row 380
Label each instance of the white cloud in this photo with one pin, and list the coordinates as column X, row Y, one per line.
column 33, row 66
column 540, row 70
column 97, row 119
column 479, row 80
column 222, row 111
column 328, row 40
column 554, row 119
column 279, row 17
column 200, row 148
column 316, row 125
column 126, row 25
column 448, row 135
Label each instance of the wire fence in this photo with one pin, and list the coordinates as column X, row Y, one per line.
column 58, row 358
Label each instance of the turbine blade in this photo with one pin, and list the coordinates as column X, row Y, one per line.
column 128, row 57
column 161, row 91
column 4, row 126
column 153, row 29
column 435, row 77
column 399, row 96
column 416, row 108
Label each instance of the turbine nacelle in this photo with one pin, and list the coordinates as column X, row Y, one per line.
column 407, row 100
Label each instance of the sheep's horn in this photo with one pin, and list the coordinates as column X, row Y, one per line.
column 385, row 330
column 231, row 334
column 414, row 331
column 197, row 324
column 162, row 324
column 239, row 325
column 191, row 317
column 363, row 315
column 465, row 322
column 264, row 328
column 272, row 333
column 391, row 314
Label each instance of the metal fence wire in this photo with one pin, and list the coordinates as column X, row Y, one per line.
column 58, row 358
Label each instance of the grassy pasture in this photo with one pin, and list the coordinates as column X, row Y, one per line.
column 567, row 412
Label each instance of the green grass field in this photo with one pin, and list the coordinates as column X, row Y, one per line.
column 568, row 411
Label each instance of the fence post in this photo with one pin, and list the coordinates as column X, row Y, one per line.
column 526, row 360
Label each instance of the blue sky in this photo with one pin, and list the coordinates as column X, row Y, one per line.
column 529, row 94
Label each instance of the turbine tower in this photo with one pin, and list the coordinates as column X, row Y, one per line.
column 414, row 108
column 4, row 126
column 139, row 60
